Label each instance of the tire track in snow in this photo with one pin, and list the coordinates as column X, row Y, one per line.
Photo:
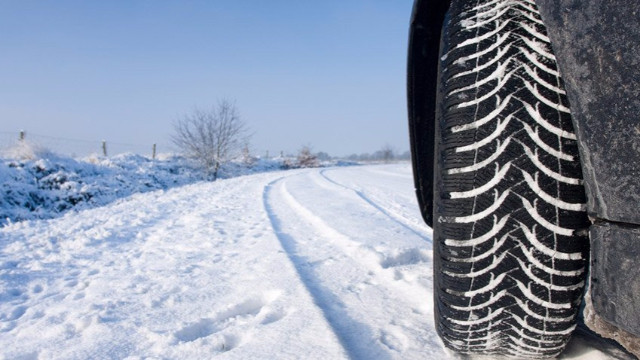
column 378, row 207
column 374, row 296
column 331, row 305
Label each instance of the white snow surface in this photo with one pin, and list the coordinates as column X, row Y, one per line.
column 330, row 263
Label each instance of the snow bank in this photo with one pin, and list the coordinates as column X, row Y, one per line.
column 45, row 187
column 38, row 184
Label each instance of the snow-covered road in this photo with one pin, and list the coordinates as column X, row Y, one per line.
column 361, row 257
column 314, row 264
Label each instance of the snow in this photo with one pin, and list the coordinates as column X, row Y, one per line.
column 37, row 184
column 325, row 263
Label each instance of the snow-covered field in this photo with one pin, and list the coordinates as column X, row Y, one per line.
column 326, row 263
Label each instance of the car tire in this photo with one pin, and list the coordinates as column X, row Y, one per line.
column 510, row 238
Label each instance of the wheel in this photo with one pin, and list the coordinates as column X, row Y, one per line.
column 510, row 224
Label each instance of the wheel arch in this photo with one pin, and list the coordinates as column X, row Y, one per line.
column 422, row 80
column 598, row 52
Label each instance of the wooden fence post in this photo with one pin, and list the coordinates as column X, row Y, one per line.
column 21, row 135
column 153, row 155
column 104, row 148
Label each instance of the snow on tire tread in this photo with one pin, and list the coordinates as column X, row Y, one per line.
column 511, row 204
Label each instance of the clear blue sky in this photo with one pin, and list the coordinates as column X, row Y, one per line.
column 324, row 73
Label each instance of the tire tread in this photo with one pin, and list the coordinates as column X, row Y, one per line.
column 520, row 296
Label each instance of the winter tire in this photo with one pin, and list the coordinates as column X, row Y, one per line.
column 509, row 205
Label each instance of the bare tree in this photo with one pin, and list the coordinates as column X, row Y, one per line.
column 386, row 153
column 211, row 137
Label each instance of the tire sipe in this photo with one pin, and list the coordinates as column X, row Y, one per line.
column 509, row 205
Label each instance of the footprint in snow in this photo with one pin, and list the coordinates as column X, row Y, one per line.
column 272, row 316
column 393, row 339
column 201, row 329
column 252, row 311
column 14, row 292
column 15, row 314
column 8, row 321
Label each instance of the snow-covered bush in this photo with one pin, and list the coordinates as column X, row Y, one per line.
column 43, row 185
column 25, row 150
column 306, row 159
